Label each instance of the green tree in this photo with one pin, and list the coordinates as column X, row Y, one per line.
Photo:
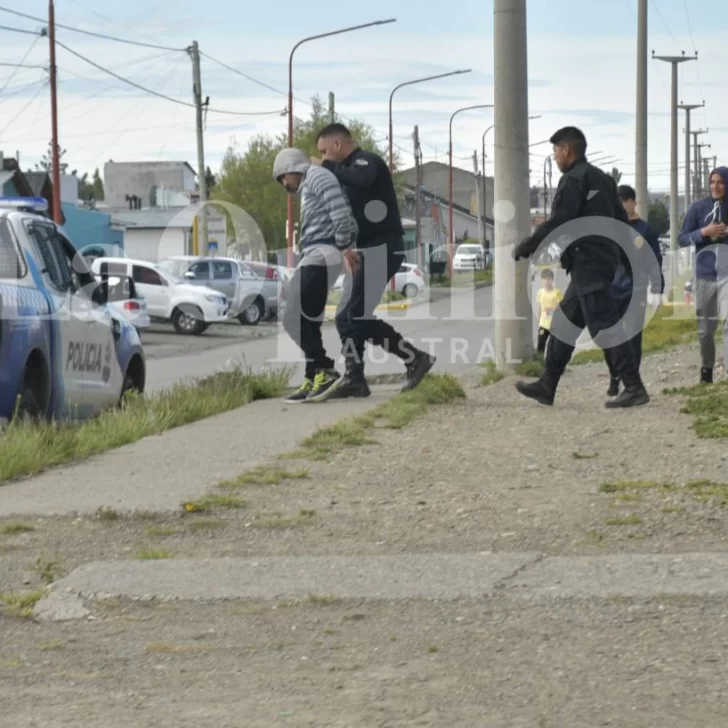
column 246, row 179
column 615, row 174
column 46, row 163
column 98, row 185
column 659, row 217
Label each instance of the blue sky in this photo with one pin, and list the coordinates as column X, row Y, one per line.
column 581, row 71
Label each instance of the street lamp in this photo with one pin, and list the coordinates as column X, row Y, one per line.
column 412, row 83
column 290, row 108
column 449, row 232
column 492, row 126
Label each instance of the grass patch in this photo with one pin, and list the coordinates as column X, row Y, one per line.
column 107, row 514
column 492, row 375
column 264, row 475
column 669, row 328
column 27, row 448
column 323, row 601
column 584, row 455
column 531, row 368
column 152, row 554
column 207, row 524
column 624, row 521
column 625, row 485
column 704, row 490
column 161, row 531
column 9, row 529
column 464, row 279
column 51, row 646
column 214, row 501
column 708, row 405
column 394, row 414
column 48, row 571
column 304, row 516
column 20, row 605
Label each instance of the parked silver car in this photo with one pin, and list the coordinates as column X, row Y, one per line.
column 253, row 296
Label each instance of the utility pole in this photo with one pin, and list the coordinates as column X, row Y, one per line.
column 547, row 169
column 697, row 164
column 513, row 322
column 706, row 163
column 700, row 171
column 641, row 118
column 332, row 108
column 418, row 197
column 687, row 108
column 481, row 221
column 194, row 52
column 55, row 151
column 674, row 61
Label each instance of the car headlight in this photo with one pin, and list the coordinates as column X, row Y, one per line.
column 215, row 299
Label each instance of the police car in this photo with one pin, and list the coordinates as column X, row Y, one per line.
column 64, row 351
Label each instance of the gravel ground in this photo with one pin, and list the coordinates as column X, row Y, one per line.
column 494, row 472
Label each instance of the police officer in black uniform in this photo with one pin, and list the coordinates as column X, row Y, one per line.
column 591, row 260
column 367, row 182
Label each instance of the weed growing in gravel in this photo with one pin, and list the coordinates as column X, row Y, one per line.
column 213, row 501
column 264, row 476
column 51, row 646
column 48, row 571
column 531, row 368
column 584, row 456
column 704, row 490
column 20, row 605
column 104, row 513
column 161, row 531
column 151, row 554
column 708, row 404
column 323, row 601
column 670, row 327
column 27, row 448
column 9, row 529
column 492, row 375
column 304, row 516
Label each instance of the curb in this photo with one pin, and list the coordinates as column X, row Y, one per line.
column 403, row 306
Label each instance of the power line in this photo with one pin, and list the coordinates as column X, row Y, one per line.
column 30, row 101
column 246, row 76
column 697, row 65
column 21, row 30
column 163, row 96
column 662, row 20
column 93, row 34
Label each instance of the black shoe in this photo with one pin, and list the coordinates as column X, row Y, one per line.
column 352, row 384
column 417, row 368
column 324, row 380
column 301, row 394
column 706, row 376
column 613, row 390
column 536, row 390
column 633, row 396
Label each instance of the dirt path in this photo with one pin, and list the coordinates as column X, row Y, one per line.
column 491, row 473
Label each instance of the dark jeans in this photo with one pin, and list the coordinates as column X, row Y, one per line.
column 305, row 306
column 543, row 337
column 635, row 321
column 355, row 320
column 595, row 309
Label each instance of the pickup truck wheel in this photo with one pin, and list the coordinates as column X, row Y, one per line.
column 253, row 314
column 188, row 320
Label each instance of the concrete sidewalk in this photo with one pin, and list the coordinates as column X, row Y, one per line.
column 158, row 473
column 406, row 576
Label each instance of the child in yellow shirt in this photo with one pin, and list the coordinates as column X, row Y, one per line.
column 548, row 299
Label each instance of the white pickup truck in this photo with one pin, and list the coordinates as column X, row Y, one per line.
column 190, row 309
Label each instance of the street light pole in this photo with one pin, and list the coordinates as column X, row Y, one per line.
column 641, row 116
column 674, row 61
column 412, row 83
column 290, row 108
column 450, row 231
column 55, row 151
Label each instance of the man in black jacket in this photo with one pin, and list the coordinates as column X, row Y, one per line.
column 589, row 196
column 368, row 184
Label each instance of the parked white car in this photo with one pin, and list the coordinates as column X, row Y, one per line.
column 189, row 308
column 409, row 281
column 469, row 257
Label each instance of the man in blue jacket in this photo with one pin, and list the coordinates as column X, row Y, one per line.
column 631, row 281
column 706, row 227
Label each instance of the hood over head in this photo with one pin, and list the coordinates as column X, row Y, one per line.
column 289, row 161
column 723, row 172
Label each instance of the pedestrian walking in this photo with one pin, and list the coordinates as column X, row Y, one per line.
column 327, row 230
column 368, row 185
column 548, row 298
column 584, row 193
column 706, row 227
column 634, row 278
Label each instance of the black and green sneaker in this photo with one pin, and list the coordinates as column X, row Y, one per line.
column 301, row 394
column 322, row 383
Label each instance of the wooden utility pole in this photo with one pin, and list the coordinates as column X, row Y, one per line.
column 55, row 148
column 201, row 176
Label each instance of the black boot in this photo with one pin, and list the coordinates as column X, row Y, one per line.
column 352, row 384
column 543, row 391
column 634, row 394
column 420, row 362
column 613, row 390
column 706, row 376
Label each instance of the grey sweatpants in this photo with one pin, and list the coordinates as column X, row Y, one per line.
column 711, row 307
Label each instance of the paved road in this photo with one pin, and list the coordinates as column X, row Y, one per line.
column 457, row 329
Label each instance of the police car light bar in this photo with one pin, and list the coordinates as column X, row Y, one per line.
column 24, row 204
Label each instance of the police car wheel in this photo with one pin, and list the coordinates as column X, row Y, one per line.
column 188, row 321
column 28, row 406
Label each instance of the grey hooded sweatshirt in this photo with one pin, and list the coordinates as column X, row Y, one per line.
column 326, row 215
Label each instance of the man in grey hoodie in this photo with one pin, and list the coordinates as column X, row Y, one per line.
column 706, row 227
column 327, row 230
